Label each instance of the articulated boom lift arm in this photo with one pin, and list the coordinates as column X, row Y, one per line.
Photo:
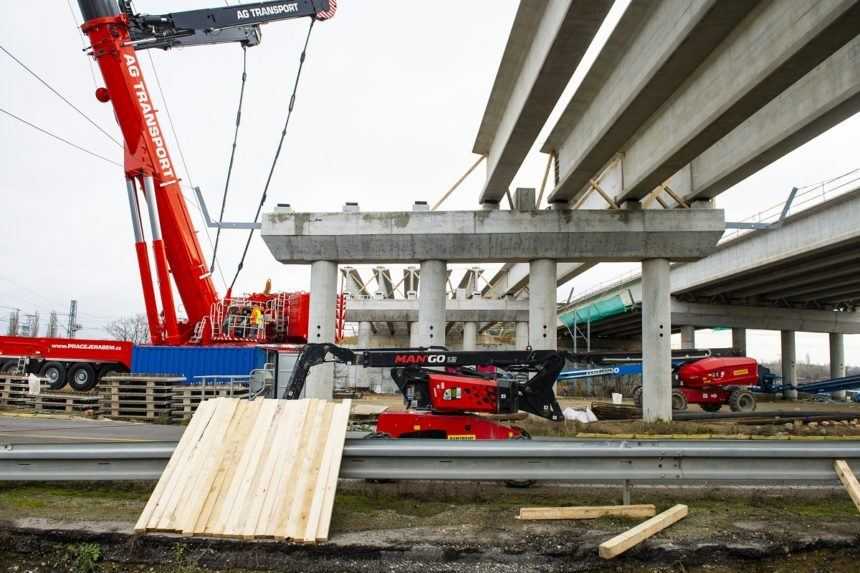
column 114, row 33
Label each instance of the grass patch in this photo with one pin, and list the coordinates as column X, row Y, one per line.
column 87, row 500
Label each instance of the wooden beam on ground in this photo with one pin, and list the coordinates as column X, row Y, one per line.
column 849, row 480
column 632, row 537
column 587, row 512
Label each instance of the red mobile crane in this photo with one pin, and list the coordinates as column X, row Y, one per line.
column 117, row 34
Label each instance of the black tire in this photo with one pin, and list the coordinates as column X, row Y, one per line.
column 111, row 370
column 711, row 407
column 637, row 396
column 9, row 367
column 679, row 401
column 742, row 401
column 82, row 377
column 55, row 372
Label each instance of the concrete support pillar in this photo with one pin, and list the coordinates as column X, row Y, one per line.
column 739, row 341
column 522, row 336
column 656, row 341
column 789, row 366
column 837, row 362
column 542, row 304
column 413, row 335
column 321, row 324
column 470, row 335
column 364, row 332
column 688, row 337
column 431, row 303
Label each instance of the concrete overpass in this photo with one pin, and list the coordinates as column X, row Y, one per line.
column 802, row 276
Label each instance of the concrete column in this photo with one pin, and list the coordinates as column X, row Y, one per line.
column 739, row 341
column 656, row 341
column 413, row 334
column 364, row 332
column 688, row 337
column 470, row 335
column 837, row 362
column 789, row 367
column 542, row 304
column 321, row 323
column 361, row 374
column 522, row 337
column 431, row 303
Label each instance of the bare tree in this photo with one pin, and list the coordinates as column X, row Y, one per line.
column 132, row 328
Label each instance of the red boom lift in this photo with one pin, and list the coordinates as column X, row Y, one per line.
column 116, row 35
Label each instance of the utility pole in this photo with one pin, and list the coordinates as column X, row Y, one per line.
column 52, row 325
column 73, row 326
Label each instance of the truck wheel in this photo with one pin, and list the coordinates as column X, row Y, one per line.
column 55, row 372
column 82, row 377
column 637, row 396
column 9, row 367
column 711, row 407
column 742, row 401
column 679, row 401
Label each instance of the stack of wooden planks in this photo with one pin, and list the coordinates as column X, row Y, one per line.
column 138, row 395
column 187, row 397
column 262, row 469
column 66, row 402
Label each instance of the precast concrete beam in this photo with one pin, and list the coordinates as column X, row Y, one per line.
column 518, row 109
column 456, row 310
column 492, row 236
column 656, row 342
column 824, row 97
column 651, row 52
column 763, row 318
column 773, row 47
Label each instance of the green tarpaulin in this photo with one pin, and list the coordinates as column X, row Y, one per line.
column 594, row 312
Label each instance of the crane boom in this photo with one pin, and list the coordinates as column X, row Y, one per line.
column 115, row 34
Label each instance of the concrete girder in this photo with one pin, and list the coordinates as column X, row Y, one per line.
column 456, row 310
column 817, row 291
column 492, row 236
column 558, row 42
column 773, row 47
column 787, row 286
column 764, row 318
column 824, row 97
column 662, row 44
column 802, row 266
column 835, row 296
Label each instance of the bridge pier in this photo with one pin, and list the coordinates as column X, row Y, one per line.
column 542, row 305
column 522, row 335
column 688, row 337
column 837, row 362
column 789, row 365
column 656, row 341
column 431, row 303
column 739, row 341
column 321, row 323
column 470, row 335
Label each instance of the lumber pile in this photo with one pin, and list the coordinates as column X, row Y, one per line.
column 138, row 396
column 65, row 402
column 187, row 397
column 262, row 469
column 14, row 391
column 849, row 480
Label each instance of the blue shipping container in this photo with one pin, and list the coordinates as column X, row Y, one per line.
column 193, row 361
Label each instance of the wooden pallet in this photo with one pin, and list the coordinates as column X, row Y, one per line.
column 65, row 402
column 262, row 469
column 136, row 396
column 14, row 391
column 187, row 398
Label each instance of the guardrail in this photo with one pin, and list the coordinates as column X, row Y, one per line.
column 557, row 460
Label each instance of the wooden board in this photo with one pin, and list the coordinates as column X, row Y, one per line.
column 587, row 512
column 849, row 480
column 252, row 470
column 632, row 537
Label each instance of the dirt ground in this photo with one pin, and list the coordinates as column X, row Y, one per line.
column 427, row 527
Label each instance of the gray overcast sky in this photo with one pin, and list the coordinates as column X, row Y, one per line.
column 387, row 113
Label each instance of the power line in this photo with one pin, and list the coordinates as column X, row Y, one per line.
column 59, row 95
column 57, row 137
column 182, row 158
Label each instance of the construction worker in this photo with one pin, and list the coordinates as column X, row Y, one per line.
column 257, row 318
